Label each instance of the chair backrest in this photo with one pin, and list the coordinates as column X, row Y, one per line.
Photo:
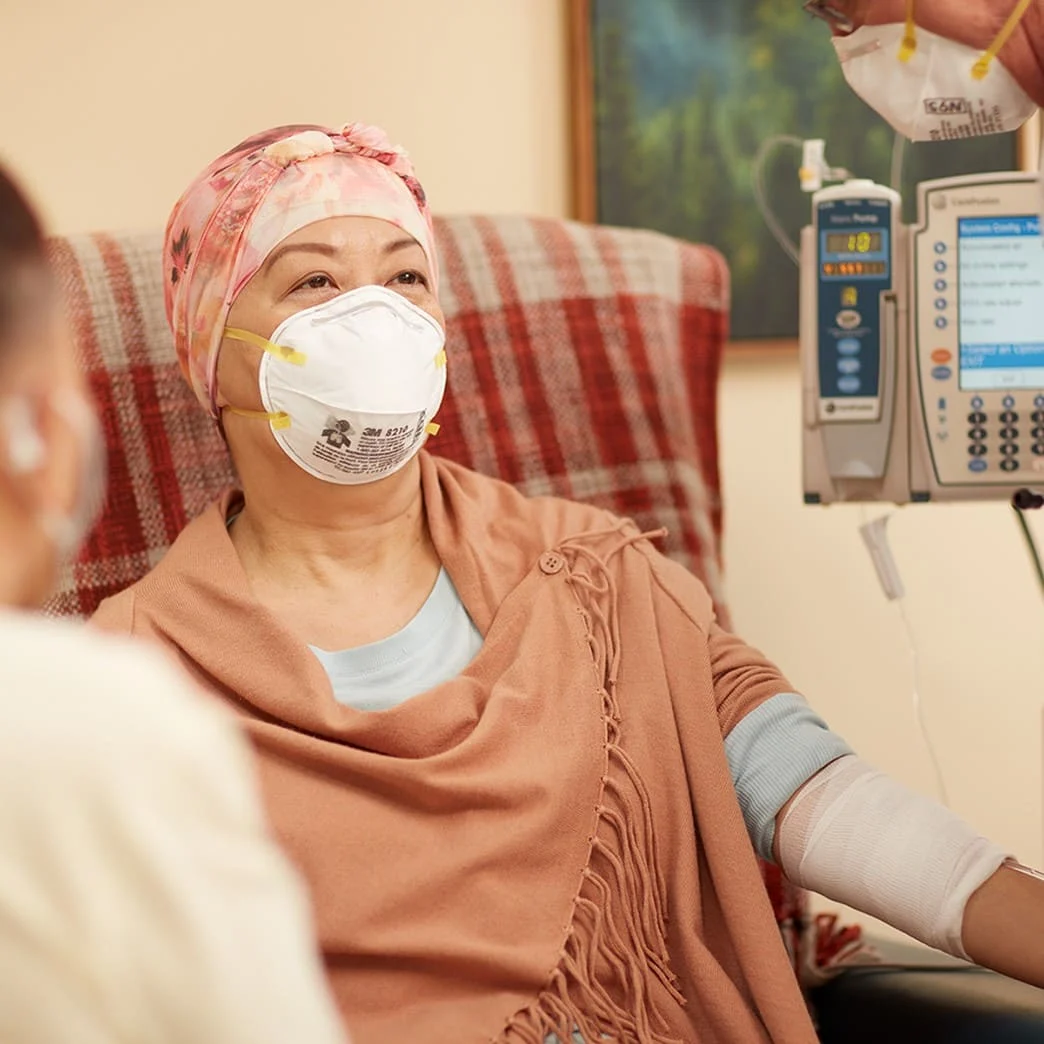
column 583, row 362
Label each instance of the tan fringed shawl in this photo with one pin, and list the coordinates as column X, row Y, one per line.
column 549, row 841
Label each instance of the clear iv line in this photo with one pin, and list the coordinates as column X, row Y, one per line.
column 895, row 592
column 895, row 174
column 757, row 175
column 918, row 705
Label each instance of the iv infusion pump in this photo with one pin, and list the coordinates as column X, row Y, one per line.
column 922, row 347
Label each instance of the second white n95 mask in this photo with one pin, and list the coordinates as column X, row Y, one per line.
column 930, row 94
column 351, row 386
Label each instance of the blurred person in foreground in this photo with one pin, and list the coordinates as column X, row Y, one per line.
column 141, row 898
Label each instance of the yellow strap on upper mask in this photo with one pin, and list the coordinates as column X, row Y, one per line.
column 982, row 66
column 908, row 47
column 280, row 421
column 280, row 351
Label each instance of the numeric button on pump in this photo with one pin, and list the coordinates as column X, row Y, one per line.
column 1009, row 464
column 977, row 449
column 978, row 417
column 978, row 434
column 1009, row 417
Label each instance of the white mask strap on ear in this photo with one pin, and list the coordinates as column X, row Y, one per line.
column 26, row 453
column 24, row 446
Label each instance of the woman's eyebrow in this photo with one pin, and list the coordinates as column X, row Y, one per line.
column 328, row 250
column 312, row 248
column 401, row 244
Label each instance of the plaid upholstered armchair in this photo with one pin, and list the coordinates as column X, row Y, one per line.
column 584, row 363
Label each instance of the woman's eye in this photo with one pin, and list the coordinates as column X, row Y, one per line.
column 314, row 282
column 410, row 278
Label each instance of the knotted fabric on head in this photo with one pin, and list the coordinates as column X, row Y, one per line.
column 248, row 201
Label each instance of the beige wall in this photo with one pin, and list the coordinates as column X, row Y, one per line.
column 117, row 105
column 112, row 106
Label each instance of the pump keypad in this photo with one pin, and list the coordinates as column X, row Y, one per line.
column 993, row 438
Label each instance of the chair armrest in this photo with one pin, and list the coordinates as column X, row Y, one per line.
column 943, row 1001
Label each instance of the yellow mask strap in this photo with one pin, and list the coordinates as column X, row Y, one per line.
column 290, row 355
column 909, row 45
column 279, row 421
column 982, row 66
column 432, row 428
column 440, row 359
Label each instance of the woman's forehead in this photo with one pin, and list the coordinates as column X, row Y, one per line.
column 348, row 232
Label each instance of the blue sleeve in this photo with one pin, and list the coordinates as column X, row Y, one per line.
column 776, row 749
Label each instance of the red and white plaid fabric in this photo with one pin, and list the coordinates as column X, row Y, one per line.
column 583, row 362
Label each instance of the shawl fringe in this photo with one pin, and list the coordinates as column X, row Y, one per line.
column 618, row 928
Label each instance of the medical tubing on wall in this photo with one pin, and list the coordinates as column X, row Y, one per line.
column 757, row 175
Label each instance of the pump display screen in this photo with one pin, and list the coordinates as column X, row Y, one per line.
column 1000, row 272
column 855, row 254
column 855, row 268
column 854, row 242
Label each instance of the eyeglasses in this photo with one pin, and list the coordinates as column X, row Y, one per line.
column 829, row 13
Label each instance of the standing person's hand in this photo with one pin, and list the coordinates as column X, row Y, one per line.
column 975, row 23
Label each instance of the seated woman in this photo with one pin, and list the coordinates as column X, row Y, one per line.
column 522, row 768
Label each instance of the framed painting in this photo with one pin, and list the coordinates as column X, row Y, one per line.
column 674, row 102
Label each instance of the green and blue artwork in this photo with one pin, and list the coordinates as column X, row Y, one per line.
column 686, row 93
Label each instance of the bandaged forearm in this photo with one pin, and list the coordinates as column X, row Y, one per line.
column 859, row 838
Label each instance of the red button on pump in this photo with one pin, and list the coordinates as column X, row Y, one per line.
column 941, row 355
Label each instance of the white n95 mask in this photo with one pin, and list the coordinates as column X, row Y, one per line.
column 350, row 386
column 930, row 88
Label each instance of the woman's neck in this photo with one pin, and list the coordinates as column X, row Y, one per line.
column 342, row 566
column 321, row 533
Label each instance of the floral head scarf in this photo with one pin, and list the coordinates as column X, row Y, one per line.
column 248, row 201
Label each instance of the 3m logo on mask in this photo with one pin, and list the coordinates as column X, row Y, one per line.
column 373, row 449
column 338, row 433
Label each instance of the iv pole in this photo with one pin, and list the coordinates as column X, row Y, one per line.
column 1029, row 500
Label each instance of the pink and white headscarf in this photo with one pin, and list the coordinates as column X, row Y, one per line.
column 248, row 201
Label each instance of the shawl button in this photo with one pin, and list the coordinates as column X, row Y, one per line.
column 551, row 563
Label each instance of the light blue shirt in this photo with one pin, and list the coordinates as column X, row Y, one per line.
column 772, row 752
column 435, row 646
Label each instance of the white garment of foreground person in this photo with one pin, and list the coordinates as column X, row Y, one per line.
column 141, row 899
